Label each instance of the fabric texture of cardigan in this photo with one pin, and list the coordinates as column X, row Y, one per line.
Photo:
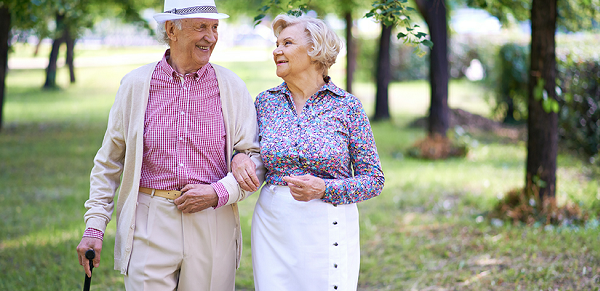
column 118, row 163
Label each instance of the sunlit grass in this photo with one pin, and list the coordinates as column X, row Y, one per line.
column 424, row 232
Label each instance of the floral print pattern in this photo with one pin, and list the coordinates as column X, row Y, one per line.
column 331, row 138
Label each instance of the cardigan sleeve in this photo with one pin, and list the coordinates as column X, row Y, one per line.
column 239, row 109
column 107, row 170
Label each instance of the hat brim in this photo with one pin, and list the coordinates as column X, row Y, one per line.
column 162, row 17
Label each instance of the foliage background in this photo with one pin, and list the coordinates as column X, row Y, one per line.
column 426, row 231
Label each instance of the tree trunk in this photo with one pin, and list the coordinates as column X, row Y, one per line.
column 542, row 136
column 351, row 52
column 70, row 41
column 4, row 37
column 382, row 109
column 434, row 12
column 51, row 69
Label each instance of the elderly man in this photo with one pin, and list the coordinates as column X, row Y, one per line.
column 171, row 134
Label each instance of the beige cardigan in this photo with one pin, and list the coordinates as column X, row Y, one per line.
column 122, row 149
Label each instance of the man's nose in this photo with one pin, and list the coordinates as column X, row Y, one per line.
column 211, row 36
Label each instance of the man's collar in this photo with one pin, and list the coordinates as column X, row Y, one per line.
column 164, row 65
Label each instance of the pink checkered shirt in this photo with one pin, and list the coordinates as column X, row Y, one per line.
column 184, row 132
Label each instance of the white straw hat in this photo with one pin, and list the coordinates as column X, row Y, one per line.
column 182, row 9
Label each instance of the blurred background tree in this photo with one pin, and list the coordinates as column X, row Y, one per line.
column 71, row 16
column 13, row 14
column 542, row 90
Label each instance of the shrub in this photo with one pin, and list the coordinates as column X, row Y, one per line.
column 578, row 90
column 511, row 83
column 579, row 116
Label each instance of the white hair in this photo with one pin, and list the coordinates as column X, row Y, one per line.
column 161, row 32
column 324, row 42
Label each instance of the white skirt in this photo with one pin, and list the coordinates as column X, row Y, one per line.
column 304, row 246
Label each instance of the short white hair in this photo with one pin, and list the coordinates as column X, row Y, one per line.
column 324, row 42
column 161, row 32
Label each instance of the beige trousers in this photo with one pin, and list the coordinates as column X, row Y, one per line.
column 177, row 251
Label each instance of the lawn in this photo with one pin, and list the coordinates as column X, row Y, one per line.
column 427, row 231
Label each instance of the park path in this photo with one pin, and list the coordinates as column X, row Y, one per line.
column 219, row 55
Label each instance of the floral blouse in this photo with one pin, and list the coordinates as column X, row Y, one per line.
column 331, row 139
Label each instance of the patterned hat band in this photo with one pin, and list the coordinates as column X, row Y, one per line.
column 193, row 10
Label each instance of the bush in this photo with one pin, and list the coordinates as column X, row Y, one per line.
column 579, row 117
column 511, row 83
column 578, row 90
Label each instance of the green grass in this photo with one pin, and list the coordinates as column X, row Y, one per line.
column 424, row 232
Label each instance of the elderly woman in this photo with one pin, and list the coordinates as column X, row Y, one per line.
column 321, row 159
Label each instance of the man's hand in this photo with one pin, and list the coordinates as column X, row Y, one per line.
column 86, row 244
column 244, row 171
column 305, row 187
column 196, row 197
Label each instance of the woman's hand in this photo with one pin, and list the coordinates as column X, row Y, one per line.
column 244, row 171
column 305, row 187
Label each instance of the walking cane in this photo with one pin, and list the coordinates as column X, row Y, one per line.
column 90, row 255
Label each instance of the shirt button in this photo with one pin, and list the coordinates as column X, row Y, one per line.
column 335, row 287
column 181, row 165
column 335, row 244
column 335, row 223
column 182, row 113
column 335, row 266
column 180, row 138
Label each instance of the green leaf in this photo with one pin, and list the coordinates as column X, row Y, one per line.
column 427, row 43
column 538, row 91
column 547, row 105
column 265, row 8
column 555, row 106
column 401, row 35
column 568, row 97
column 420, row 34
column 259, row 18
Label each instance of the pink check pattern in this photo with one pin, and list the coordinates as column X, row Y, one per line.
column 184, row 132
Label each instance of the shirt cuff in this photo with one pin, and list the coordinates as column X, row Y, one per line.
column 95, row 233
column 222, row 193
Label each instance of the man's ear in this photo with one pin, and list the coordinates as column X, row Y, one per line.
column 170, row 29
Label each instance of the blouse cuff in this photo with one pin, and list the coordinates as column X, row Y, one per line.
column 331, row 194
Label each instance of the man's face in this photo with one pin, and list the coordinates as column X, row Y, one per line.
column 196, row 40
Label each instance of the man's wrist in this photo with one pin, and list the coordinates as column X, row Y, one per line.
column 94, row 233
column 222, row 194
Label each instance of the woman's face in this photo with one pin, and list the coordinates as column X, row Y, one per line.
column 291, row 54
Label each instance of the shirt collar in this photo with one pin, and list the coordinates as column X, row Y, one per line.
column 167, row 69
column 329, row 86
